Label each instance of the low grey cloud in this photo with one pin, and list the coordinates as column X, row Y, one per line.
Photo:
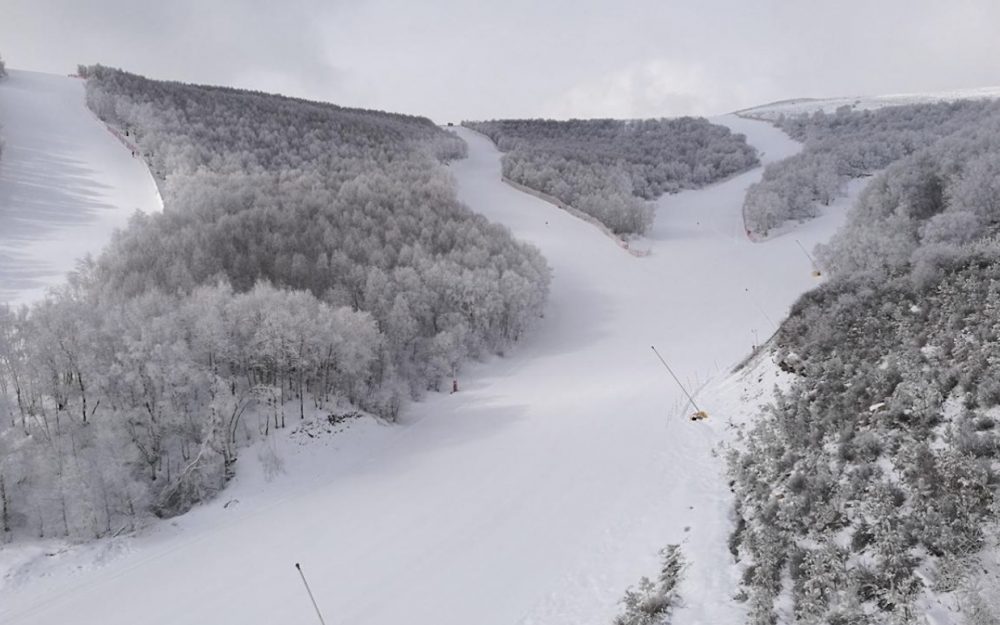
column 458, row 59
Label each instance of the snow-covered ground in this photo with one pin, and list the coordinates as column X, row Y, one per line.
column 535, row 495
column 66, row 183
column 829, row 105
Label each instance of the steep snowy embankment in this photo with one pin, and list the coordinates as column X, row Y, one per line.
column 66, row 183
column 533, row 496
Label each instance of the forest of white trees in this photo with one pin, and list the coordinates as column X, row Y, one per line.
column 875, row 478
column 308, row 257
column 609, row 168
column 844, row 145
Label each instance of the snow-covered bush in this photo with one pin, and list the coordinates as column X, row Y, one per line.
column 607, row 168
column 856, row 504
column 650, row 603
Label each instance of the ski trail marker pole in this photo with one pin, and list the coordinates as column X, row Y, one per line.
column 699, row 413
column 311, row 598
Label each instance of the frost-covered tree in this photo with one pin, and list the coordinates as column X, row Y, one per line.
column 347, row 204
column 873, row 479
column 308, row 257
column 609, row 168
column 652, row 602
column 849, row 144
column 925, row 208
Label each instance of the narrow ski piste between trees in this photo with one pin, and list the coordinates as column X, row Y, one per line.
column 66, row 183
column 536, row 494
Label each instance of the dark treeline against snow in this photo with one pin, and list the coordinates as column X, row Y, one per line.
column 844, row 145
column 309, row 257
column 871, row 487
column 608, row 168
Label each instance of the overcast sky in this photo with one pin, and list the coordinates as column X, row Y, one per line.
column 454, row 60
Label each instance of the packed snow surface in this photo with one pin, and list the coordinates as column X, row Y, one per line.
column 66, row 183
column 862, row 103
column 534, row 495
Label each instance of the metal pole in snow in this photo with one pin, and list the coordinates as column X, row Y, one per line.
column 760, row 308
column 808, row 255
column 674, row 376
column 311, row 598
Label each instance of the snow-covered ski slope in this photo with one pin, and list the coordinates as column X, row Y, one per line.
column 829, row 105
column 535, row 495
column 66, row 183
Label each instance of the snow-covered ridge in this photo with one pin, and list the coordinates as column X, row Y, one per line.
column 800, row 106
column 66, row 183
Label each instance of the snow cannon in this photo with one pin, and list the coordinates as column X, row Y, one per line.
column 699, row 414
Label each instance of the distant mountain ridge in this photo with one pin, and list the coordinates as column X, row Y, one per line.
column 801, row 106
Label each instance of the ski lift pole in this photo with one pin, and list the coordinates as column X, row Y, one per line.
column 816, row 271
column 308, row 590
column 699, row 413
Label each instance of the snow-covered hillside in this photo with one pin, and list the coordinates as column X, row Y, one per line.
column 66, row 183
column 861, row 103
column 535, row 495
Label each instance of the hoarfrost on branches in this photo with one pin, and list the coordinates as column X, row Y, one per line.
column 609, row 168
column 307, row 254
